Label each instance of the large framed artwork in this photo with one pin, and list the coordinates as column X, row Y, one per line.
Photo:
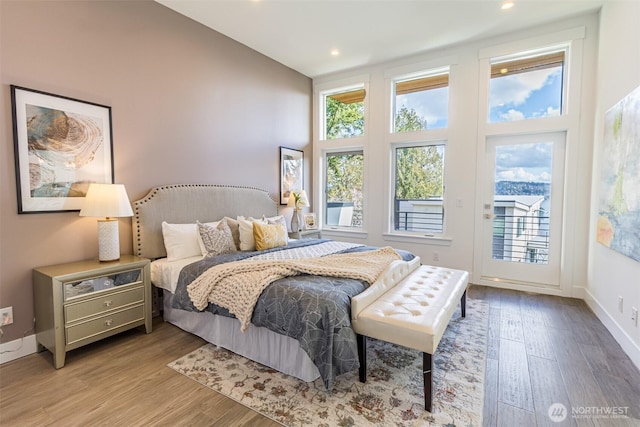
column 291, row 172
column 61, row 145
column 619, row 197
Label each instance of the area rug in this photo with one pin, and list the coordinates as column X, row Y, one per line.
column 392, row 396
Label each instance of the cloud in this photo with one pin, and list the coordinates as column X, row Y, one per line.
column 431, row 105
column 517, row 88
column 512, row 115
column 522, row 174
column 524, row 162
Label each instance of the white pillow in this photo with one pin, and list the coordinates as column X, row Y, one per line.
column 247, row 242
column 180, row 240
column 183, row 240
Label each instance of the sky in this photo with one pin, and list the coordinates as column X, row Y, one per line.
column 524, row 162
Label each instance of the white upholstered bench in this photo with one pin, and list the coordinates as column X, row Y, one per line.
column 414, row 313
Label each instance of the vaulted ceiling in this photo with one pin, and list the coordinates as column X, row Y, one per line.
column 302, row 34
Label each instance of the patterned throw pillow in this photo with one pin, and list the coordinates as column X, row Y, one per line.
column 217, row 240
column 269, row 236
column 276, row 220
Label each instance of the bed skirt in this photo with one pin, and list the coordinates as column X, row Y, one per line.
column 262, row 345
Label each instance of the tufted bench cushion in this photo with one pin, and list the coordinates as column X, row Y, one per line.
column 414, row 313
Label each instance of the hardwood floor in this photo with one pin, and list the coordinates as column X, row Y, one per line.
column 541, row 350
column 544, row 350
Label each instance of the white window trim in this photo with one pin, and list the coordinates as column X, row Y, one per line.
column 394, row 140
column 360, row 232
column 321, row 147
column 568, row 122
column 391, row 88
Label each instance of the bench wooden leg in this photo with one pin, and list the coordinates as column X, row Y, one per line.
column 362, row 355
column 463, row 304
column 427, row 369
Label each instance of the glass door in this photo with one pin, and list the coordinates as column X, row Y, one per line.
column 522, row 209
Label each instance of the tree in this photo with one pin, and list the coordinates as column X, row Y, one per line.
column 344, row 120
column 418, row 169
column 344, row 177
column 409, row 120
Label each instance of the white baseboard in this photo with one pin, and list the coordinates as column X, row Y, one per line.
column 18, row 348
column 625, row 341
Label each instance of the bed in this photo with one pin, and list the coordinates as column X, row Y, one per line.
column 188, row 203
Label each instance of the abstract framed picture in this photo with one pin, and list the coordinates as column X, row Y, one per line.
column 618, row 224
column 291, row 172
column 61, row 145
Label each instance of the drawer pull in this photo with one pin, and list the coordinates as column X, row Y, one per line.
column 108, row 303
column 108, row 322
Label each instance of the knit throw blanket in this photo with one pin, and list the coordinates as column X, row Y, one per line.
column 237, row 285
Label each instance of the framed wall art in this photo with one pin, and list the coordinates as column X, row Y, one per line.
column 61, row 145
column 310, row 221
column 291, row 172
column 619, row 196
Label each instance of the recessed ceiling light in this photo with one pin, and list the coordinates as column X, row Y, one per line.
column 335, row 52
column 504, row 70
column 507, row 4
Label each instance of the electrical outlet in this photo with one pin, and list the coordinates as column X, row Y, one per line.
column 620, row 303
column 6, row 316
column 634, row 316
column 436, row 256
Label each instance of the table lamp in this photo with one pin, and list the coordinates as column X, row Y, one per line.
column 111, row 202
column 297, row 199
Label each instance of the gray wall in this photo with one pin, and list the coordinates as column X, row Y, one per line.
column 189, row 106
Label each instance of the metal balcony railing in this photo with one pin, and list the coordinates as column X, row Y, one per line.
column 424, row 222
column 521, row 238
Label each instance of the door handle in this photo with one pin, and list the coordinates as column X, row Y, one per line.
column 488, row 216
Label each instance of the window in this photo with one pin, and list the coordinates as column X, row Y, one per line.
column 419, row 188
column 421, row 102
column 520, row 226
column 343, row 113
column 344, row 189
column 527, row 87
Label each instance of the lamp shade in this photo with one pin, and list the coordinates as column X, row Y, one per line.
column 106, row 200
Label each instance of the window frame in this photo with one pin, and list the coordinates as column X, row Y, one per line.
column 322, row 109
column 393, row 182
column 324, row 158
column 523, row 55
column 416, row 75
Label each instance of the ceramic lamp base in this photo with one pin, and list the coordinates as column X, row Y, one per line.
column 108, row 240
column 296, row 224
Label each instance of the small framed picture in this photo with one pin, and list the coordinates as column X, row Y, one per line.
column 310, row 222
column 291, row 172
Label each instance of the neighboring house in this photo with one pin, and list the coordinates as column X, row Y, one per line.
column 520, row 229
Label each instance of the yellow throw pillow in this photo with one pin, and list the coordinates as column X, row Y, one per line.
column 269, row 236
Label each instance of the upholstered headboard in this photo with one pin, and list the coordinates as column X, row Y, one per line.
column 188, row 203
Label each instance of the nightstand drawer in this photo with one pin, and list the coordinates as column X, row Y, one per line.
column 103, row 324
column 110, row 301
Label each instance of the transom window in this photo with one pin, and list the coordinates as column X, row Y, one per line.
column 421, row 102
column 526, row 87
column 343, row 113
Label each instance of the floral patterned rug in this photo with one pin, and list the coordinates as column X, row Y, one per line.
column 392, row 396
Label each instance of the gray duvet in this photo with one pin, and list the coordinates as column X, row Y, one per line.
column 315, row 310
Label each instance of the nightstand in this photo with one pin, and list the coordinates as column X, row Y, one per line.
column 306, row 234
column 82, row 302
